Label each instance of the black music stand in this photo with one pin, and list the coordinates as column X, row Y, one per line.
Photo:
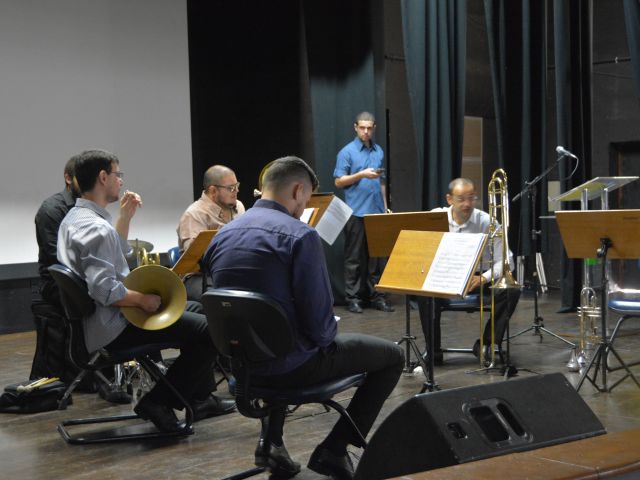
column 382, row 231
column 410, row 262
column 607, row 233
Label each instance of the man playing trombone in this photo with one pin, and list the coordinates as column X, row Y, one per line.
column 90, row 246
column 465, row 218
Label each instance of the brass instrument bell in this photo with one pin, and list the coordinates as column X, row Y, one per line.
column 257, row 192
column 158, row 280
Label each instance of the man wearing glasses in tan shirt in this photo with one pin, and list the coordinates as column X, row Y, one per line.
column 217, row 206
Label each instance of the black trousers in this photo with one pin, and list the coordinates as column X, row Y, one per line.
column 506, row 301
column 349, row 354
column 192, row 372
column 196, row 284
column 361, row 272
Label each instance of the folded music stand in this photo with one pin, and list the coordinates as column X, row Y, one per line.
column 382, row 231
column 607, row 234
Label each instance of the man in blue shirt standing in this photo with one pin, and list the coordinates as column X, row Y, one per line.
column 360, row 172
column 269, row 251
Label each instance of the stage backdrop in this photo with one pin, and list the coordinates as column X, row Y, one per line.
column 109, row 74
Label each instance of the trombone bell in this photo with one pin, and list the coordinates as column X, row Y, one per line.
column 506, row 281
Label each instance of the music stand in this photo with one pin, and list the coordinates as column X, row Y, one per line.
column 382, row 231
column 405, row 273
column 319, row 201
column 191, row 260
column 607, row 233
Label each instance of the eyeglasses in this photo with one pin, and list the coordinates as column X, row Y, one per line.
column 119, row 174
column 232, row 188
column 471, row 198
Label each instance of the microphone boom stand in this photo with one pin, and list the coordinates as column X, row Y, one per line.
column 530, row 190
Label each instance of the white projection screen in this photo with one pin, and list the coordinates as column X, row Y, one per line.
column 78, row 74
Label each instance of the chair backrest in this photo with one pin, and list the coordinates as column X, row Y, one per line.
column 173, row 254
column 77, row 304
column 249, row 322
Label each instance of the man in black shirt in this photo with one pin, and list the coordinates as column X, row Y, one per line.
column 47, row 220
column 49, row 359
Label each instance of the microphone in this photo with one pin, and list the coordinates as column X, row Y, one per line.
column 564, row 152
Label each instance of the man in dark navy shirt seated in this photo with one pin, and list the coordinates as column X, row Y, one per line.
column 268, row 250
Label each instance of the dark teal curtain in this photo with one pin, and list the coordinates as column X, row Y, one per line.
column 632, row 22
column 342, row 81
column 517, row 43
column 573, row 69
column 434, row 35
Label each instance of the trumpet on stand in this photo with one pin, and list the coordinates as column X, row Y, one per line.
column 589, row 313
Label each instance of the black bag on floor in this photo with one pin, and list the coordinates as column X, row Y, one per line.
column 31, row 397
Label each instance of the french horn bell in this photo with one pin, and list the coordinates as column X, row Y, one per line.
column 161, row 281
column 257, row 192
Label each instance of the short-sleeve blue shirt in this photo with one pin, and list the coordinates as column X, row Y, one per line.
column 365, row 195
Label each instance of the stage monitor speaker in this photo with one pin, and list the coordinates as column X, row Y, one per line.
column 449, row 427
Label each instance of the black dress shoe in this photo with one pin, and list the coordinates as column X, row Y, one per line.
column 162, row 416
column 276, row 460
column 324, row 462
column 354, row 307
column 114, row 394
column 212, row 406
column 383, row 306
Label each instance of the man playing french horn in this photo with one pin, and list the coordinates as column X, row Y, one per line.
column 90, row 246
column 465, row 218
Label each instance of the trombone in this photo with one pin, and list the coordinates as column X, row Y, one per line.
column 498, row 195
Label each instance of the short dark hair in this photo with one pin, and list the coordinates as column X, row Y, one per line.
column 214, row 175
column 88, row 166
column 365, row 117
column 70, row 166
column 457, row 182
column 286, row 170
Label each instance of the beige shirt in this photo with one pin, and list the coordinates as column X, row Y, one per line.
column 203, row 214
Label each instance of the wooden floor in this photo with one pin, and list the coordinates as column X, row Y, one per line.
column 30, row 447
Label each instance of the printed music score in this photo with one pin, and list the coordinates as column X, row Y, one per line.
column 333, row 220
column 454, row 263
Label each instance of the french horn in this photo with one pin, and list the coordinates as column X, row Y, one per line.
column 257, row 192
column 158, row 280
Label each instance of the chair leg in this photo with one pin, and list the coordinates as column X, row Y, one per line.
column 153, row 370
column 131, row 431
column 614, row 335
column 64, row 401
column 344, row 414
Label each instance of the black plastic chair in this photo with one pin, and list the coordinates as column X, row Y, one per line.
column 78, row 304
column 251, row 328
column 468, row 304
column 627, row 305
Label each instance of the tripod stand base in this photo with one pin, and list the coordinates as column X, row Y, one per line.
column 538, row 329
column 599, row 360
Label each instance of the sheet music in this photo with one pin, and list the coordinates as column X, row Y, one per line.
column 453, row 263
column 306, row 215
column 333, row 220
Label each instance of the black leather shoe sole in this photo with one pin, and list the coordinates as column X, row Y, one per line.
column 213, row 408
column 162, row 417
column 355, row 307
column 277, row 461
column 325, row 463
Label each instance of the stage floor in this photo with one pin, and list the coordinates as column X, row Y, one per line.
column 31, row 448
